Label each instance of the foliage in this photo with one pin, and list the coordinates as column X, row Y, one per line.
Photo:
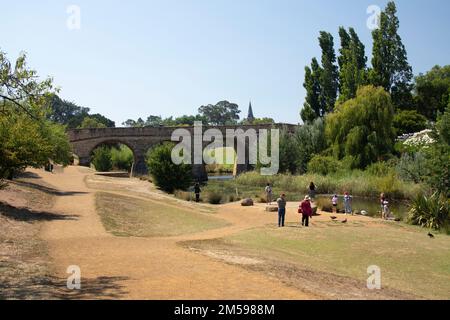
column 412, row 167
column 167, row 175
column 288, row 152
column 101, row 159
column 382, row 168
column 409, row 121
column 156, row 121
column 430, row 212
column 214, row 197
column 122, row 158
column 432, row 91
column 27, row 142
column 70, row 114
column 390, row 67
column 89, row 122
column 310, row 140
column 329, row 76
column 258, row 121
column 323, row 165
column 443, row 126
column 27, row 137
column 312, row 107
column 222, row 113
column 352, row 64
column 361, row 128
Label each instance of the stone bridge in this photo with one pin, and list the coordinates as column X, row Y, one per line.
column 140, row 140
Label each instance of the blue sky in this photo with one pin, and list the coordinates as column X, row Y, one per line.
column 132, row 59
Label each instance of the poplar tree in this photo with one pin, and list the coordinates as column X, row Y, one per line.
column 390, row 67
column 329, row 76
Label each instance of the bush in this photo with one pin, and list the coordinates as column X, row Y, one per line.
column 430, row 212
column 323, row 165
column 214, row 197
column 412, row 167
column 409, row 121
column 165, row 174
column 379, row 169
column 102, row 159
column 122, row 158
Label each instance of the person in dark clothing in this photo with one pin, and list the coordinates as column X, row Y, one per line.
column 281, row 201
column 312, row 190
column 197, row 191
column 306, row 210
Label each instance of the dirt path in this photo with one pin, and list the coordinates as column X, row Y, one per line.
column 154, row 268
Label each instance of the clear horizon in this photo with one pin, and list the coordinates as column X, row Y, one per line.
column 169, row 58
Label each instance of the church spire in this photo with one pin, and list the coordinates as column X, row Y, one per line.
column 250, row 116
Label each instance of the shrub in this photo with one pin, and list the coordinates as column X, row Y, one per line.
column 101, row 159
column 167, row 175
column 214, row 197
column 184, row 195
column 409, row 121
column 430, row 212
column 412, row 167
column 379, row 169
column 323, row 165
column 122, row 158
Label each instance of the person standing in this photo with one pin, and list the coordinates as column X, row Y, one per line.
column 281, row 201
column 382, row 200
column 348, row 203
column 268, row 191
column 306, row 211
column 334, row 202
column 197, row 191
column 312, row 190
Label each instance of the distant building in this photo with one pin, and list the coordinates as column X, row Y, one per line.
column 250, row 116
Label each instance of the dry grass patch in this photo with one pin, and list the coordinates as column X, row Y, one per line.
column 128, row 216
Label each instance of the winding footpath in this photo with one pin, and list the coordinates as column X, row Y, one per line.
column 147, row 268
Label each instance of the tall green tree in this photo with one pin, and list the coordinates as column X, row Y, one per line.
column 329, row 75
column 312, row 108
column 390, row 67
column 352, row 64
column 361, row 128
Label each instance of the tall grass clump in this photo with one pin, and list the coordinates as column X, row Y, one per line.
column 430, row 211
column 214, row 197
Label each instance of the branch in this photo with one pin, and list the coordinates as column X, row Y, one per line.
column 20, row 106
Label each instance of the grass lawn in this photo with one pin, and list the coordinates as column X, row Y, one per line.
column 412, row 265
column 126, row 216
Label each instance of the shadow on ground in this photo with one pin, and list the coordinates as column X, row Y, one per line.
column 52, row 288
column 27, row 215
column 46, row 189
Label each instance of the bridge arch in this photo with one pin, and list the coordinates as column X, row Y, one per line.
column 140, row 140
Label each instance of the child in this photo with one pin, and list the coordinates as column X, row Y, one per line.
column 386, row 212
column 334, row 201
column 268, row 191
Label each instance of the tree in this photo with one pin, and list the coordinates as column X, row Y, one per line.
column 390, row 67
column 258, row 121
column 409, row 121
column 432, row 91
column 288, row 153
column 167, row 175
column 101, row 159
column 89, row 122
column 352, row 64
column 361, row 128
column 28, row 138
column 329, row 76
column 312, row 108
column 222, row 113
column 310, row 140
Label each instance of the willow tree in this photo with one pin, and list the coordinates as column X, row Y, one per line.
column 360, row 129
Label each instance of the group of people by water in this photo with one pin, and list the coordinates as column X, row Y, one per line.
column 305, row 207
